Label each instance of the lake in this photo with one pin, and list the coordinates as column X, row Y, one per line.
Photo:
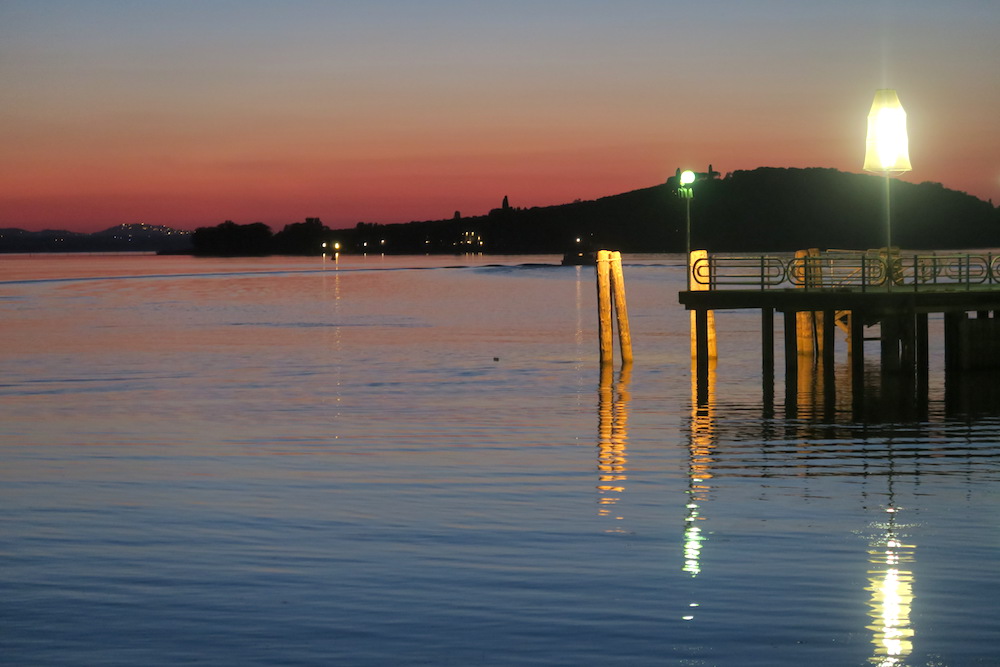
column 418, row 461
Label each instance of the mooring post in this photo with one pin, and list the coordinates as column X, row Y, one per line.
column 621, row 309
column 604, row 305
column 699, row 271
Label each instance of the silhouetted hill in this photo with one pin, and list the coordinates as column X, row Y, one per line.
column 766, row 209
column 121, row 238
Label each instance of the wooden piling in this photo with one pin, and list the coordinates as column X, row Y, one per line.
column 791, row 348
column 856, row 353
column 827, row 349
column 767, row 358
column 604, row 305
column 767, row 343
column 621, row 309
column 890, row 337
column 611, row 291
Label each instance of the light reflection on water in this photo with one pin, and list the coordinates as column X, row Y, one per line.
column 368, row 464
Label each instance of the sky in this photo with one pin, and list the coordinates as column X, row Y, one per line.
column 188, row 113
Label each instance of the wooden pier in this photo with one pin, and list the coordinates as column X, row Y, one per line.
column 816, row 293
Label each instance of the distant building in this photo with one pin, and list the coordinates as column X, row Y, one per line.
column 710, row 175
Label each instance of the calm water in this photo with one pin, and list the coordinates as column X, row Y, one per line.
column 415, row 461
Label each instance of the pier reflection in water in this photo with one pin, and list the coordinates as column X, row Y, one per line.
column 902, row 431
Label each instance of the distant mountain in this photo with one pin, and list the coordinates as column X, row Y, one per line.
column 131, row 237
column 766, row 209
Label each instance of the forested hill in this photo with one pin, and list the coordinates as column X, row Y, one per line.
column 764, row 209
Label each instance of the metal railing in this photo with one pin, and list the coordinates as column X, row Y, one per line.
column 739, row 270
column 861, row 271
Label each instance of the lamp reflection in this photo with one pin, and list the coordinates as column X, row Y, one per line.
column 612, row 437
column 890, row 583
column 701, row 446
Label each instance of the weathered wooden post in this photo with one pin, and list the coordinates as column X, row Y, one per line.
column 621, row 309
column 604, row 306
column 611, row 289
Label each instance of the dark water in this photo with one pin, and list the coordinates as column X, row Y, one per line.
column 398, row 461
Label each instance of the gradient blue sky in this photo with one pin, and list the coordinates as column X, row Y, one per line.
column 189, row 113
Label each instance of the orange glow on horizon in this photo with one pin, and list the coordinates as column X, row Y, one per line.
column 380, row 113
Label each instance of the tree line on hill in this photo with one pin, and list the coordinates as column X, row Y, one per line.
column 766, row 209
column 761, row 210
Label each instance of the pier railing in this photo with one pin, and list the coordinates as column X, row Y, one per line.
column 850, row 270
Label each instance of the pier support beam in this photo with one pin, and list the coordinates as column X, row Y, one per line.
column 890, row 339
column 857, row 356
column 767, row 353
column 701, row 361
column 791, row 354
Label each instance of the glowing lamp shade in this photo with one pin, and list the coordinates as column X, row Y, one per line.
column 887, row 144
column 687, row 177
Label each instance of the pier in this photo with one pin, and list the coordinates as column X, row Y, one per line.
column 818, row 293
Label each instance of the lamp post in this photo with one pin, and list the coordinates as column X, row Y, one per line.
column 686, row 192
column 887, row 149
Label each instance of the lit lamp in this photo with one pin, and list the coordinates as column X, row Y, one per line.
column 887, row 147
column 686, row 192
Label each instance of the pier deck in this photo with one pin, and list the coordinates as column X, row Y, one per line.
column 817, row 292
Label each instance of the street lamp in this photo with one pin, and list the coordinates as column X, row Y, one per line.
column 686, row 192
column 887, row 146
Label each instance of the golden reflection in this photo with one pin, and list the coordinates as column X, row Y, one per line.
column 612, row 436
column 890, row 583
column 332, row 297
column 701, row 446
column 809, row 388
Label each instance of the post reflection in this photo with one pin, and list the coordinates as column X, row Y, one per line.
column 612, row 439
column 890, row 582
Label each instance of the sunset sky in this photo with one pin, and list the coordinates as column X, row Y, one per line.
column 191, row 112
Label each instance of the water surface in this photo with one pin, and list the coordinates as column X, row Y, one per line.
column 399, row 460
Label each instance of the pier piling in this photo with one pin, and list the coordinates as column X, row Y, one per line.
column 611, row 293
